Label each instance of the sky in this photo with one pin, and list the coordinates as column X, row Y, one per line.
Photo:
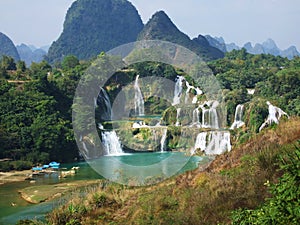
column 40, row 22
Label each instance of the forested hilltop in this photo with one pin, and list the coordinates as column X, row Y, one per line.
column 92, row 26
column 36, row 102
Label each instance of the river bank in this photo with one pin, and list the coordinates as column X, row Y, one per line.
column 42, row 193
column 14, row 176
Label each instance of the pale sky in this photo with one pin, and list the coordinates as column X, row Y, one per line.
column 40, row 22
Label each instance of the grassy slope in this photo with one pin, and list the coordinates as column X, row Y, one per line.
column 234, row 180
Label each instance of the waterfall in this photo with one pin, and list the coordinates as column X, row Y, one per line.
column 213, row 142
column 275, row 114
column 238, row 122
column 104, row 105
column 178, row 90
column 187, row 93
column 110, row 140
column 138, row 98
column 163, row 143
column 196, row 119
column 210, row 115
column 111, row 143
column 201, row 141
column 177, row 117
column 198, row 92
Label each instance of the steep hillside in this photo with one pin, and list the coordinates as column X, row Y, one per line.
column 92, row 26
column 7, row 47
column 160, row 27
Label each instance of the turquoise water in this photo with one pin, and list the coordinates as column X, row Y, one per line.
column 142, row 167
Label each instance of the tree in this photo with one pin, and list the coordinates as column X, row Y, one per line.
column 8, row 63
column 69, row 62
column 21, row 66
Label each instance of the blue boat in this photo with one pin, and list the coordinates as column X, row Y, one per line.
column 54, row 165
column 37, row 168
column 46, row 166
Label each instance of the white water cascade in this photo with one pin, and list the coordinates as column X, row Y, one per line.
column 238, row 122
column 201, row 141
column 275, row 114
column 163, row 143
column 177, row 117
column 213, row 142
column 110, row 140
column 178, row 90
column 111, row 143
column 210, row 115
column 138, row 98
column 196, row 118
column 187, row 93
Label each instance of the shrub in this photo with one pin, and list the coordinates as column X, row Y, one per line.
column 284, row 206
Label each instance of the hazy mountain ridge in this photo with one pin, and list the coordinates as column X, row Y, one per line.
column 93, row 26
column 29, row 53
column 8, row 48
column 267, row 47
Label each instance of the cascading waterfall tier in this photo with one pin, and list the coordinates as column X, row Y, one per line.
column 178, row 111
column 180, row 82
column 138, row 99
column 196, row 118
column 238, row 121
column 178, row 90
column 111, row 143
column 210, row 115
column 213, row 142
column 187, row 94
column 104, row 105
column 275, row 114
column 163, row 141
column 110, row 140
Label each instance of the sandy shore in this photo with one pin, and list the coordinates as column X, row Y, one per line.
column 14, row 176
column 42, row 193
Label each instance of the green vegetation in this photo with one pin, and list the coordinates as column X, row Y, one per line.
column 225, row 193
column 36, row 102
column 284, row 205
column 35, row 111
column 256, row 183
column 272, row 78
column 92, row 26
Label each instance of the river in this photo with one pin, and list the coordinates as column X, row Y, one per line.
column 14, row 208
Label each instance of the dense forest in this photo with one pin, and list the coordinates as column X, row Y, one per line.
column 36, row 101
column 36, row 114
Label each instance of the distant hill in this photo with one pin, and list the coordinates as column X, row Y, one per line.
column 8, row 48
column 216, row 42
column 160, row 27
column 267, row 47
column 92, row 26
column 29, row 53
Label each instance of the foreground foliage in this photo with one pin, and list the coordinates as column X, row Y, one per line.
column 284, row 205
column 257, row 181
